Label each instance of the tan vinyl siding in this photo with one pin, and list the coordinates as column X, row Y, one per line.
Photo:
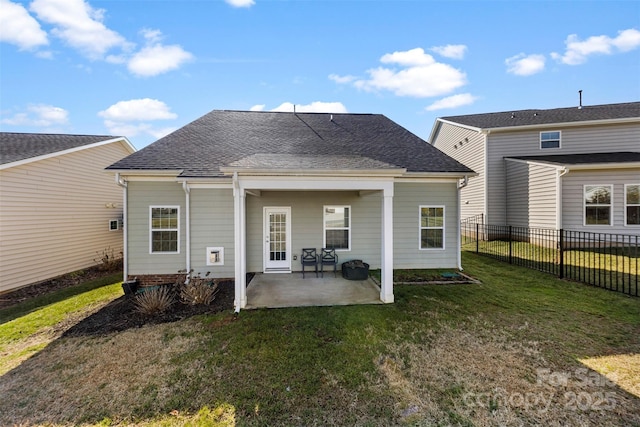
column 212, row 225
column 406, row 209
column 451, row 141
column 307, row 224
column 531, row 195
column 574, row 140
column 573, row 199
column 54, row 218
column 142, row 195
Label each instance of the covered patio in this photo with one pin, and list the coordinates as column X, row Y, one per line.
column 291, row 290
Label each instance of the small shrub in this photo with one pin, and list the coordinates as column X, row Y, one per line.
column 199, row 290
column 154, row 301
column 108, row 260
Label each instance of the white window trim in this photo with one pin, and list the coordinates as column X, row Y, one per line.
column 625, row 207
column 324, row 226
column 420, row 227
column 151, row 229
column 550, row 148
column 584, row 206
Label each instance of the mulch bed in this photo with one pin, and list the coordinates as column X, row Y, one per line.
column 121, row 314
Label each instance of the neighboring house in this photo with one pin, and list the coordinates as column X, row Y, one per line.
column 59, row 210
column 236, row 192
column 575, row 168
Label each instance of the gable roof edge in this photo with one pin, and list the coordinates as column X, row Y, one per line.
column 128, row 146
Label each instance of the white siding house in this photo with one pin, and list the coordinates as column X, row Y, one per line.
column 539, row 168
column 57, row 205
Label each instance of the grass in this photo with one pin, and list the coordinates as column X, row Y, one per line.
column 611, row 268
column 28, row 327
column 522, row 348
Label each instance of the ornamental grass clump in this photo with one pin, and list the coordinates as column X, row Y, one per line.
column 154, row 301
column 199, row 290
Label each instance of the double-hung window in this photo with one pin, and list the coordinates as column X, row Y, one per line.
column 164, row 229
column 337, row 227
column 597, row 204
column 550, row 139
column 431, row 227
column 632, row 204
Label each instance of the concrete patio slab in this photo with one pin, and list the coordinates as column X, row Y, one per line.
column 291, row 290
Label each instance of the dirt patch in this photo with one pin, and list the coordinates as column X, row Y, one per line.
column 121, row 314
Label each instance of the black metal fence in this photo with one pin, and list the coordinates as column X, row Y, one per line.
column 608, row 261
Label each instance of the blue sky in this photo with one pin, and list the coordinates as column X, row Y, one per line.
column 145, row 68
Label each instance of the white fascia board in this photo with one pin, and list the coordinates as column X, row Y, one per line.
column 312, row 172
column 562, row 124
column 122, row 139
column 146, row 176
column 460, row 125
column 593, row 166
column 314, row 183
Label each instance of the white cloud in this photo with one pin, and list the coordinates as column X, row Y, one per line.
column 138, row 110
column 158, row 59
column 19, row 28
column 452, row 102
column 411, row 57
column 314, row 107
column 79, row 25
column 525, row 65
column 418, row 75
column 577, row 51
column 39, row 115
column 131, row 118
column 241, row 3
column 257, row 107
column 342, row 79
column 453, row 51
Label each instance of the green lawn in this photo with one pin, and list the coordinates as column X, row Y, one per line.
column 521, row 348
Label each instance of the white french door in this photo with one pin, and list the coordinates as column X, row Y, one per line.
column 277, row 239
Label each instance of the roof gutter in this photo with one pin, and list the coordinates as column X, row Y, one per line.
column 553, row 125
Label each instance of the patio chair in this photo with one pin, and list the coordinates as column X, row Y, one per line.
column 309, row 257
column 328, row 257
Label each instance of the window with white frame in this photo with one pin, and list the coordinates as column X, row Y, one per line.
column 632, row 204
column 431, row 227
column 164, row 229
column 597, row 204
column 550, row 139
column 337, row 227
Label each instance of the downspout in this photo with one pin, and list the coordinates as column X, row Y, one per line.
column 463, row 184
column 125, row 226
column 187, row 192
column 561, row 172
column 236, row 232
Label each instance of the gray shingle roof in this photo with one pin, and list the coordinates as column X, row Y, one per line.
column 21, row 146
column 584, row 159
column 541, row 117
column 289, row 141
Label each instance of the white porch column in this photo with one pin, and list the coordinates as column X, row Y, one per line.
column 239, row 231
column 386, row 287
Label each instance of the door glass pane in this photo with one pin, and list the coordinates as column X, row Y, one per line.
column 277, row 237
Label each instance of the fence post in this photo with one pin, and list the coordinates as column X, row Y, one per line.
column 510, row 245
column 477, row 238
column 561, row 231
